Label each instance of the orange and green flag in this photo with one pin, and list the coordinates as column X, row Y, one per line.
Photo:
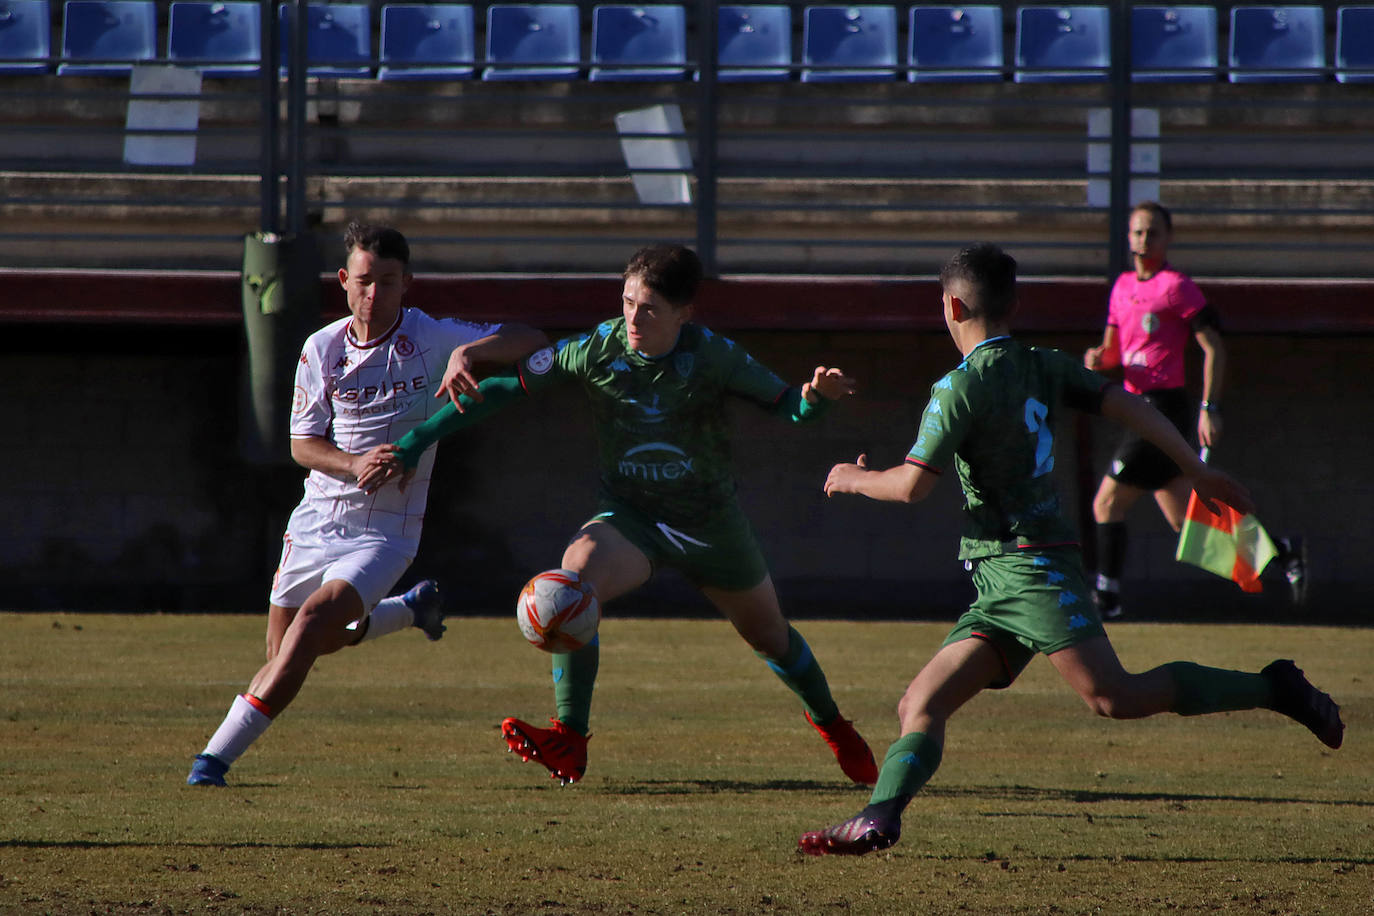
column 1232, row 545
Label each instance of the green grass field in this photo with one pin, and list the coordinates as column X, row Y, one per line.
column 386, row 788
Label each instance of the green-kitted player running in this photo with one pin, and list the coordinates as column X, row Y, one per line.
column 991, row 420
column 657, row 384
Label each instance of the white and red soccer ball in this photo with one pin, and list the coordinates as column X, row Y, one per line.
column 557, row 611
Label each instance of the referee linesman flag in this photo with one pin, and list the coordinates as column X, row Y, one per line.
column 1232, row 545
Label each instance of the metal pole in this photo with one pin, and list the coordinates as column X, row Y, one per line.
column 295, row 118
column 707, row 32
column 1118, row 214
column 269, row 138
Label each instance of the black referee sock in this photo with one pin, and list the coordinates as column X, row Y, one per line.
column 1111, row 549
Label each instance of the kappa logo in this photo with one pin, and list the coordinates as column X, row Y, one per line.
column 649, row 413
column 540, row 361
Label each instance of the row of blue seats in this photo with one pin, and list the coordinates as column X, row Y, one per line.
column 543, row 41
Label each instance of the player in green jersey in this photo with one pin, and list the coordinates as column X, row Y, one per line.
column 992, row 419
column 657, row 383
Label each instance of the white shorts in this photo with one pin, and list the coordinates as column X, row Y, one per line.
column 371, row 568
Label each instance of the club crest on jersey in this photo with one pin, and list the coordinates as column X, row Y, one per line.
column 684, row 363
column 1149, row 322
column 405, row 346
column 540, row 361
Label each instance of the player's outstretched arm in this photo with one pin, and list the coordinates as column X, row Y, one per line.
column 370, row 469
column 495, row 392
column 1211, row 484
column 511, row 344
column 812, row 398
column 829, row 383
column 903, row 483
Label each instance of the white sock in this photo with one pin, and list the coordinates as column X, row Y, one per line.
column 389, row 616
column 240, row 728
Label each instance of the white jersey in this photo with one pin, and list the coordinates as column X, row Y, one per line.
column 363, row 395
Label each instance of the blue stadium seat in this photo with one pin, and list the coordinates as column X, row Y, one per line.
column 966, row 37
column 112, row 34
column 529, row 41
column 758, row 36
column 431, row 41
column 338, row 39
column 861, row 39
column 1069, row 44
column 25, row 36
column 1355, row 44
column 654, row 38
column 1278, row 44
column 209, row 35
column 1174, row 44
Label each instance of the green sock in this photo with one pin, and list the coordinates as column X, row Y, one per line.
column 908, row 765
column 574, row 679
column 1200, row 690
column 800, row 671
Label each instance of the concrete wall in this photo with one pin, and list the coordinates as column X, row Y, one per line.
column 126, row 491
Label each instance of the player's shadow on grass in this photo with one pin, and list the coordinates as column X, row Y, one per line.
column 1092, row 796
column 1029, row 794
column 719, row 786
column 147, row 844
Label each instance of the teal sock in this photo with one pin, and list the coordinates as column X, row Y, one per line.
column 574, row 679
column 1200, row 690
column 908, row 765
column 802, row 674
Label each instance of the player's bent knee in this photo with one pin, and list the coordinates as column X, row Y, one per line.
column 1114, row 706
column 319, row 632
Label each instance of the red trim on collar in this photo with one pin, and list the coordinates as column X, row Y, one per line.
column 353, row 338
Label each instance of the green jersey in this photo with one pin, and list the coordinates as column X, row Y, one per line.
column 661, row 426
column 993, row 417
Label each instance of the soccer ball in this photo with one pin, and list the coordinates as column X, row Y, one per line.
column 557, row 611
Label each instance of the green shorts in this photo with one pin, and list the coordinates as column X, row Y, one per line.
column 1029, row 603
column 721, row 553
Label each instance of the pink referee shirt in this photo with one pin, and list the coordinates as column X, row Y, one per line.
column 1153, row 323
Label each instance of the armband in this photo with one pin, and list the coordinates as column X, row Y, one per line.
column 1206, row 317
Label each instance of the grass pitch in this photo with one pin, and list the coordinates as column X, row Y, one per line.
column 386, row 789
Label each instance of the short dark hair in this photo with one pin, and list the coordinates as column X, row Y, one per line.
column 672, row 271
column 988, row 275
column 382, row 241
column 1158, row 209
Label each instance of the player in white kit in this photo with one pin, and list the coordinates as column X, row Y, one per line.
column 361, row 383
